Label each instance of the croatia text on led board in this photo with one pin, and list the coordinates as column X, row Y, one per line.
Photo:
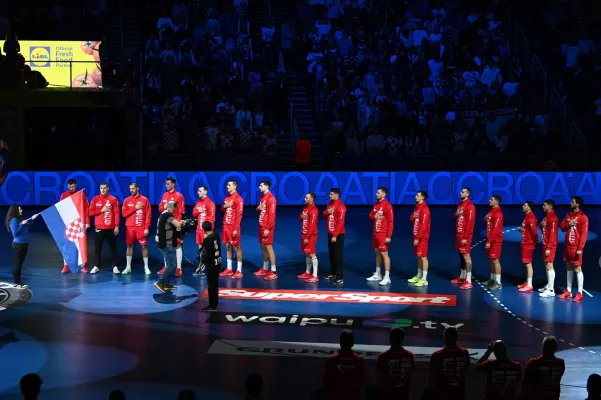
column 358, row 188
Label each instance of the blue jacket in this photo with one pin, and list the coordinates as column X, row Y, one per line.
column 20, row 232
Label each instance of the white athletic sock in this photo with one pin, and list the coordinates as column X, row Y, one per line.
column 308, row 264
column 128, row 258
column 463, row 274
column 580, row 278
column 145, row 262
column 229, row 264
column 529, row 281
column 419, row 273
column 468, row 276
column 498, row 278
column 386, row 274
column 551, row 280
column 266, row 265
column 425, row 275
column 239, row 266
column 379, row 271
column 273, row 268
column 179, row 254
column 315, row 265
column 569, row 280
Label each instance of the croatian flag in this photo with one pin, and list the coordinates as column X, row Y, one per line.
column 66, row 223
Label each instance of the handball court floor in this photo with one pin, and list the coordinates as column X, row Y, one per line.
column 87, row 335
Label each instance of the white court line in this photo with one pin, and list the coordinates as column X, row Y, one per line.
column 589, row 295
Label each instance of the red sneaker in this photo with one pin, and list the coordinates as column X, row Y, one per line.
column 304, row 275
column 160, row 272
column 84, row 270
column 526, row 288
column 467, row 285
column 66, row 270
column 262, row 272
column 271, row 276
column 237, row 275
column 522, row 285
column 312, row 279
column 179, row 272
column 565, row 295
column 227, row 272
column 578, row 298
column 458, row 280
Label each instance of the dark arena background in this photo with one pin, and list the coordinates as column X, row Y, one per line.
column 496, row 95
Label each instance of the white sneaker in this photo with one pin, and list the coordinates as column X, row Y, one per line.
column 385, row 281
column 116, row 271
column 375, row 278
column 95, row 270
column 126, row 271
column 147, row 271
column 543, row 289
column 547, row 293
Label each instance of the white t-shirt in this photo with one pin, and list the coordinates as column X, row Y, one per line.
column 435, row 68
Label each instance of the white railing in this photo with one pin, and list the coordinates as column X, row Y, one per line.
column 537, row 69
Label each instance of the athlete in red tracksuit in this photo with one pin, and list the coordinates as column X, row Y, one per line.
column 204, row 210
column 383, row 217
column 575, row 225
column 420, row 220
column 548, row 227
column 528, row 244
column 309, row 238
column 233, row 207
column 105, row 210
column 465, row 217
column 494, row 241
column 138, row 216
column 173, row 195
column 334, row 215
column 72, row 185
column 267, row 212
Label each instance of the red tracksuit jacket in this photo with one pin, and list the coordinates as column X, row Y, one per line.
column 420, row 219
column 137, row 218
column 494, row 226
column 385, row 225
column 530, row 234
column 102, row 220
column 207, row 215
column 309, row 225
column 548, row 227
column 178, row 198
column 232, row 217
column 86, row 207
column 575, row 235
column 465, row 217
column 267, row 216
column 335, row 221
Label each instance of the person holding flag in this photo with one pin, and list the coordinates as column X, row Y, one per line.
column 18, row 226
column 66, row 223
column 72, row 186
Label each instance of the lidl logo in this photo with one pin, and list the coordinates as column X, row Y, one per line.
column 39, row 56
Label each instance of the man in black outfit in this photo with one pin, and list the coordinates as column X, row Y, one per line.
column 210, row 257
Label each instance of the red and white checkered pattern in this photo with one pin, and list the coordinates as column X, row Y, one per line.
column 75, row 230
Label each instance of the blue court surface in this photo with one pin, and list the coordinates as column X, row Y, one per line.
column 89, row 334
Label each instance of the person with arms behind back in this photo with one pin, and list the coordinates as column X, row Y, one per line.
column 465, row 217
column 19, row 228
column 394, row 369
column 449, row 367
column 105, row 210
column 138, row 216
column 345, row 371
column 210, row 257
column 548, row 227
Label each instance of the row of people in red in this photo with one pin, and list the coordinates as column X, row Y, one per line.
column 344, row 375
column 574, row 224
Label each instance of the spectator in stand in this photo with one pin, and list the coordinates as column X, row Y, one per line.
column 593, row 386
column 254, row 387
column 542, row 376
column 502, row 375
column 449, row 367
column 344, row 371
column 31, row 385
column 394, row 368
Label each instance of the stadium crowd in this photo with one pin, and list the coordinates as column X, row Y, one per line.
column 204, row 82
column 344, row 374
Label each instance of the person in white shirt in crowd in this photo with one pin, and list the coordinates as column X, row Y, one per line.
column 491, row 73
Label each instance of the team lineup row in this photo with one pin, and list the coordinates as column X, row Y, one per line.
column 136, row 210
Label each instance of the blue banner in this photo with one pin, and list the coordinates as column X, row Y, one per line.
column 358, row 188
